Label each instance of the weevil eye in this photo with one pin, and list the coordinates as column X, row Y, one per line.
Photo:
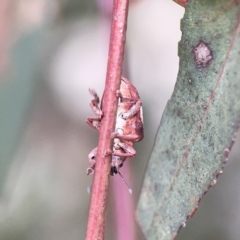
column 121, row 115
column 93, row 157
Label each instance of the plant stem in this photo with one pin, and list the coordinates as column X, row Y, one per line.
column 97, row 211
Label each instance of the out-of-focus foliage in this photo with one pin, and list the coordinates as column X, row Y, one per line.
column 18, row 85
column 16, row 95
column 197, row 128
column 74, row 8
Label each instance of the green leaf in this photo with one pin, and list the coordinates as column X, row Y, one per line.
column 199, row 123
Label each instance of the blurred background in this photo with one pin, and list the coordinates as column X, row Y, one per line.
column 51, row 52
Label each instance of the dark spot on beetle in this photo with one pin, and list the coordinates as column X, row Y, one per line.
column 120, row 165
column 113, row 171
column 202, row 55
column 121, row 115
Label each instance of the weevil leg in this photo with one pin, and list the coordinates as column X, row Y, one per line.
column 127, row 137
column 94, row 122
column 129, row 151
column 94, row 103
column 92, row 156
column 90, row 170
column 132, row 111
column 92, row 160
column 122, row 154
column 107, row 152
column 118, row 94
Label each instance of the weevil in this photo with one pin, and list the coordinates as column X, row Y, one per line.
column 117, row 162
column 128, row 128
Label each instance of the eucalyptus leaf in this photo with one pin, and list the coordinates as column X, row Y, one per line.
column 199, row 124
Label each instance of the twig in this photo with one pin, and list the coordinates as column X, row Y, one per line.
column 97, row 211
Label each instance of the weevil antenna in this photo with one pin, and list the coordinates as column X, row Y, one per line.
column 129, row 189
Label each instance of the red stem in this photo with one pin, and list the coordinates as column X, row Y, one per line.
column 97, row 211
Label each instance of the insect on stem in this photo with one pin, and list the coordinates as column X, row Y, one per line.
column 97, row 209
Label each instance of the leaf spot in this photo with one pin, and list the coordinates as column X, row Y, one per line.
column 202, row 54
